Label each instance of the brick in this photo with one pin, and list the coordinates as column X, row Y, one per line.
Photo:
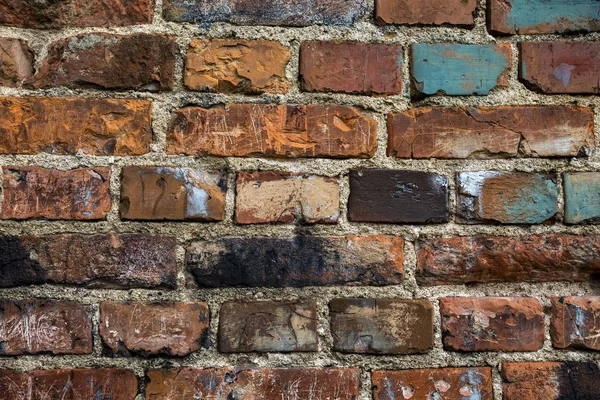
column 267, row 12
column 101, row 127
column 491, row 132
column 492, row 324
column 406, row 197
column 38, row 326
column 143, row 328
column 108, row 260
column 143, row 61
column 16, row 61
column 72, row 13
column 263, row 197
column 68, row 384
column 297, row 261
column 381, row 326
column 268, row 130
column 550, row 380
column 575, row 322
column 527, row 17
column 458, row 69
column 237, row 66
column 506, row 197
column 560, row 67
column 582, row 197
column 426, row 12
column 443, row 383
column 34, row 193
column 172, row 193
column 268, row 326
column 538, row 258
column 355, row 68
column 252, row 383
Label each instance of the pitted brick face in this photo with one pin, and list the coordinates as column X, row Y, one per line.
column 426, row 12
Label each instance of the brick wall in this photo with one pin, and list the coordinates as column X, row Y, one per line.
column 326, row 199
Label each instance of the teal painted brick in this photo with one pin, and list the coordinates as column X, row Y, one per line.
column 459, row 69
column 582, row 197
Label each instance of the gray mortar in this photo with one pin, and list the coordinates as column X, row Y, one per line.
column 165, row 102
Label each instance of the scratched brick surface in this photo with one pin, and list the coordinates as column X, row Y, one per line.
column 426, row 12
column 582, row 197
column 576, row 322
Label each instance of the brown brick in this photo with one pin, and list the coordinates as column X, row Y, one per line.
column 16, row 61
column 170, row 193
column 544, row 258
column 69, row 126
column 356, row 68
column 103, row 61
column 426, row 12
column 111, row 261
column 36, row 326
column 491, row 132
column 561, row 67
column 443, row 383
column 239, row 130
column 169, row 328
column 237, row 65
column 575, row 322
column 268, row 326
column 492, row 324
column 381, row 326
column 263, row 197
column 34, row 193
column 68, row 384
column 248, row 383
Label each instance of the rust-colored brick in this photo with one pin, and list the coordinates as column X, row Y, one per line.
column 16, row 61
column 236, row 65
column 426, row 12
column 576, row 322
column 356, row 68
column 144, row 328
column 35, row 326
column 239, row 130
column 492, row 324
column 34, row 193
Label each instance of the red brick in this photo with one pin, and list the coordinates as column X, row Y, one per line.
column 248, row 384
column 492, row 324
column 69, row 126
column 355, row 68
column 144, row 328
column 36, row 326
column 34, row 193
column 239, row 130
column 576, row 322
column 16, row 61
column 491, row 132
column 426, row 12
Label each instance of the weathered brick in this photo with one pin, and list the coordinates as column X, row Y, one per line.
column 575, row 322
column 268, row 326
column 237, row 65
column 561, row 67
column 444, row 383
column 551, row 380
column 263, row 197
column 36, row 326
column 170, row 193
column 458, row 69
column 99, row 127
column 144, row 328
column 543, row 258
column 266, row 12
column 143, row 61
column 381, row 326
column 239, row 130
column 249, row 383
column 506, row 197
column 542, row 16
column 491, row 132
column 582, row 197
column 16, row 61
column 379, row 195
column 492, row 324
column 58, row 14
column 297, row 261
column 355, row 68
column 426, row 12
column 34, row 193
column 121, row 261
column 68, row 384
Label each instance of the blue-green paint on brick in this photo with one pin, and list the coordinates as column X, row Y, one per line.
column 536, row 205
column 582, row 197
column 563, row 15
